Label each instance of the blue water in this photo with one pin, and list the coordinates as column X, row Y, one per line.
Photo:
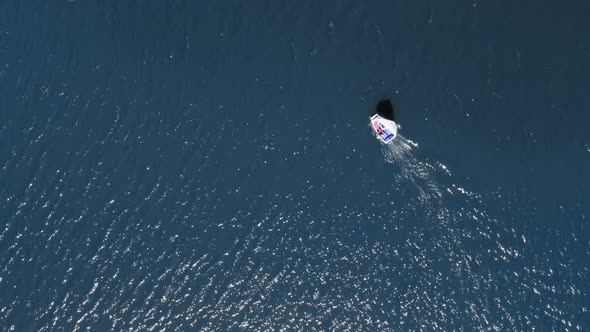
column 209, row 166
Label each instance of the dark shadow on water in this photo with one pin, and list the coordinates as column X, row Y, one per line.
column 385, row 109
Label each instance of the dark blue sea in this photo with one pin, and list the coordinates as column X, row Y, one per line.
column 210, row 166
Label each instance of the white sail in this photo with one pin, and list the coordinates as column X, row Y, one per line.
column 391, row 125
column 385, row 129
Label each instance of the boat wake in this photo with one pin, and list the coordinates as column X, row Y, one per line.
column 457, row 231
column 420, row 174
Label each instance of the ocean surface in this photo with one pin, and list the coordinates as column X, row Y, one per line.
column 209, row 166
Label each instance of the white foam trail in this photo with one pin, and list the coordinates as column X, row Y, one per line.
column 420, row 174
